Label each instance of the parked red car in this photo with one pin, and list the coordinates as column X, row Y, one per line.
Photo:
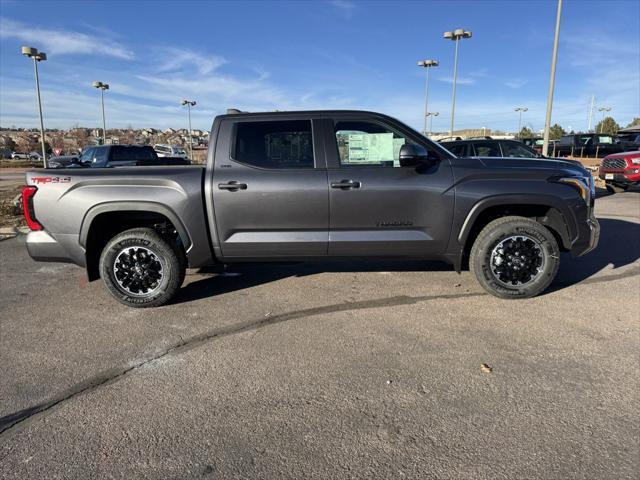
column 620, row 170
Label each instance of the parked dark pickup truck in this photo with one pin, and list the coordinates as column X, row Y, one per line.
column 313, row 185
column 587, row 145
column 103, row 156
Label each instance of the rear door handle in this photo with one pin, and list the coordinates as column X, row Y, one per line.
column 345, row 184
column 232, row 186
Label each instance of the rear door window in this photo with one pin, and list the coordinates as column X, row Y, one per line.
column 487, row 149
column 276, row 144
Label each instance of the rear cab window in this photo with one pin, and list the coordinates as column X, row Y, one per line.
column 274, row 144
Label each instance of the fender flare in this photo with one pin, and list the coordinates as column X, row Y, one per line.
column 567, row 233
column 121, row 206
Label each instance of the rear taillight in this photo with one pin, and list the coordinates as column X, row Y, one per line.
column 27, row 207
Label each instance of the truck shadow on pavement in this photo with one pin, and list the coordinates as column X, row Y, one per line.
column 618, row 246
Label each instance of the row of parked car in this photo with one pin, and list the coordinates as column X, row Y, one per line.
column 579, row 145
column 620, row 168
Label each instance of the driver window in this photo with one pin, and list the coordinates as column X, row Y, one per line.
column 368, row 144
column 87, row 155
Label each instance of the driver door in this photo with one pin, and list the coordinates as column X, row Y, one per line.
column 377, row 207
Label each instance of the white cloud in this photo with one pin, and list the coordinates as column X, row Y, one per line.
column 61, row 42
column 515, row 83
column 459, row 80
column 345, row 7
column 173, row 59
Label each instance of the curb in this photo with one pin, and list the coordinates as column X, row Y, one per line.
column 10, row 232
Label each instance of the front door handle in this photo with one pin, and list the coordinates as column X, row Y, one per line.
column 232, row 186
column 345, row 184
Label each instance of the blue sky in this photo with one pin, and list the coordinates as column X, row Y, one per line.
column 316, row 55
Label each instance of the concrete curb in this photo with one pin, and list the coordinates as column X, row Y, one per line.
column 10, row 232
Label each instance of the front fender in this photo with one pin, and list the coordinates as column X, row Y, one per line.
column 568, row 229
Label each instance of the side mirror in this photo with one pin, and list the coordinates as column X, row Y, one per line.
column 412, row 155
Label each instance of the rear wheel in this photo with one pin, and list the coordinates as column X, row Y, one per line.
column 142, row 269
column 515, row 257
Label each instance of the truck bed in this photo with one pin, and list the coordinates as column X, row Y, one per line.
column 68, row 200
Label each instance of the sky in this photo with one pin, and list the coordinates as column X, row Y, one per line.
column 334, row 54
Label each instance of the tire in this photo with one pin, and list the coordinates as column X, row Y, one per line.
column 493, row 262
column 141, row 269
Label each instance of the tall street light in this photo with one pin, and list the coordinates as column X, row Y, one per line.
column 427, row 64
column 189, row 104
column 102, row 87
column 603, row 109
column 38, row 57
column 520, row 110
column 455, row 35
column 431, row 115
column 552, row 81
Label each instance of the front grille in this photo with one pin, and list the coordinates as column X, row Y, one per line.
column 614, row 163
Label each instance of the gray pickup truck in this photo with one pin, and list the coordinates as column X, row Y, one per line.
column 294, row 186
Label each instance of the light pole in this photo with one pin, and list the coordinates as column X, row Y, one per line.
column 552, row 81
column 455, row 35
column 603, row 109
column 520, row 110
column 38, row 57
column 427, row 64
column 189, row 104
column 102, row 87
column 431, row 115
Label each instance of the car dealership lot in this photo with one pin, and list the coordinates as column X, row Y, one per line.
column 328, row 371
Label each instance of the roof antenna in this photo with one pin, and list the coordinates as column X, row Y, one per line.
column 233, row 110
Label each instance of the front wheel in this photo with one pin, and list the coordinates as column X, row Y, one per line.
column 141, row 269
column 515, row 257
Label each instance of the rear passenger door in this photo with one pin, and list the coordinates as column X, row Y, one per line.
column 270, row 191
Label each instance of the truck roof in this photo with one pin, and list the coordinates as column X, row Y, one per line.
column 285, row 113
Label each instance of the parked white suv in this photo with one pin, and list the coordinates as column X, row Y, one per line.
column 170, row 151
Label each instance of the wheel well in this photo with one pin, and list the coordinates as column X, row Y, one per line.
column 550, row 217
column 107, row 225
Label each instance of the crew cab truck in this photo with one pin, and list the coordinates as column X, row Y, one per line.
column 587, row 145
column 295, row 186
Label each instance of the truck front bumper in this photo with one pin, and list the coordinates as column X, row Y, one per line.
column 588, row 237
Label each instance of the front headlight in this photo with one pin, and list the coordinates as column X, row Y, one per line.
column 584, row 184
column 54, row 165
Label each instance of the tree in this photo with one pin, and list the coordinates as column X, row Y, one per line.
column 556, row 131
column 635, row 122
column 525, row 133
column 608, row 126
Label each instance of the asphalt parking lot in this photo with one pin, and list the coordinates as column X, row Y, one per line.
column 326, row 371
